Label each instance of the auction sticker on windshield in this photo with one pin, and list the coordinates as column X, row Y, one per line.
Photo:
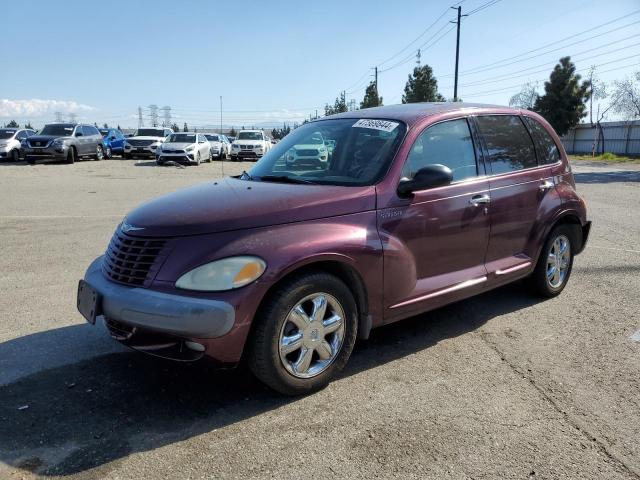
column 384, row 125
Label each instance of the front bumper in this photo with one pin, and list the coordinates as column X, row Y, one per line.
column 140, row 151
column 178, row 158
column 45, row 153
column 178, row 315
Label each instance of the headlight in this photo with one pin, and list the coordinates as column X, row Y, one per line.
column 225, row 274
column 190, row 147
column 58, row 143
column 127, row 145
column 3, row 145
column 234, row 146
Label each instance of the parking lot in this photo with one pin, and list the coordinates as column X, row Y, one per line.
column 499, row 386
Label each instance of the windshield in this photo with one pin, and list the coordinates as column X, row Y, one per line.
column 181, row 138
column 213, row 138
column 250, row 136
column 149, row 132
column 59, row 130
column 361, row 152
column 4, row 134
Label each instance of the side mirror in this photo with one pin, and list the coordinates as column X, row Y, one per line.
column 79, row 134
column 112, row 138
column 430, row 176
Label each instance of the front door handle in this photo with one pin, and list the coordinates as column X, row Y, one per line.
column 480, row 200
column 546, row 185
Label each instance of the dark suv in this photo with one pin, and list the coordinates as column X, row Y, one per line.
column 417, row 206
column 64, row 141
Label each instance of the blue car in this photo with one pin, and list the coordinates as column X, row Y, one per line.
column 113, row 140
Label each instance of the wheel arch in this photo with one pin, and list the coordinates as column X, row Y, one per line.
column 345, row 272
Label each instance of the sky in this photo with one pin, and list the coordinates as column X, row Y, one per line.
column 281, row 61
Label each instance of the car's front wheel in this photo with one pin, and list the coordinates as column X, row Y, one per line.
column 304, row 334
column 99, row 155
column 15, row 155
column 108, row 153
column 71, row 155
column 555, row 263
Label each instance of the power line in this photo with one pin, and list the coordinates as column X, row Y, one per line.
column 491, row 65
column 482, row 7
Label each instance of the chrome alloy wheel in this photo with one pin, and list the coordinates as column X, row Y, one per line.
column 558, row 261
column 311, row 336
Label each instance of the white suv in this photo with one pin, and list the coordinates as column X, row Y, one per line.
column 145, row 142
column 10, row 140
column 250, row 144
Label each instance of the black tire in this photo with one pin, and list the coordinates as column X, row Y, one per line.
column 30, row 161
column 127, row 156
column 263, row 349
column 99, row 155
column 108, row 153
column 15, row 155
column 71, row 155
column 198, row 158
column 539, row 281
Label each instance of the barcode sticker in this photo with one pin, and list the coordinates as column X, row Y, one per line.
column 384, row 125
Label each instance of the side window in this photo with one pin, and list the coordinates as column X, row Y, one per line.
column 86, row 130
column 545, row 146
column 21, row 135
column 508, row 142
column 448, row 143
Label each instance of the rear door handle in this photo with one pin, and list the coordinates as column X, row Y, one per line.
column 546, row 185
column 480, row 200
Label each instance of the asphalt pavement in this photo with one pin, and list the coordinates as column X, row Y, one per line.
column 503, row 385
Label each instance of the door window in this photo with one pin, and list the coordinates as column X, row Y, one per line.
column 508, row 142
column 546, row 148
column 448, row 143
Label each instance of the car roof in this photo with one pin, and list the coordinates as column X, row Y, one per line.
column 411, row 113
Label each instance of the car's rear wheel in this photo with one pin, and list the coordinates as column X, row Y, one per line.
column 99, row 155
column 554, row 266
column 71, row 155
column 304, row 334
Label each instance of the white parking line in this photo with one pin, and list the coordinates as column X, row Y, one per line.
column 636, row 337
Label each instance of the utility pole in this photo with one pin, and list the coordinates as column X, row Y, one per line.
column 220, row 114
column 418, row 55
column 455, row 83
column 376, row 74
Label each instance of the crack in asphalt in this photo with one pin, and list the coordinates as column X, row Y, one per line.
column 600, row 444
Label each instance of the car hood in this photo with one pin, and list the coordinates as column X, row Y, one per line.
column 233, row 204
column 157, row 139
column 177, row 145
column 46, row 138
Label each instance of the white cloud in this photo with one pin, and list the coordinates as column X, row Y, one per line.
column 36, row 108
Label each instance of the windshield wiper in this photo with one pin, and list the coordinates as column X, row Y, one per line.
column 284, row 179
column 246, row 175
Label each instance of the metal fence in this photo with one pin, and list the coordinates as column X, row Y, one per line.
column 621, row 138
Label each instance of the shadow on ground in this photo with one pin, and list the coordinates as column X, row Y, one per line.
column 615, row 176
column 95, row 411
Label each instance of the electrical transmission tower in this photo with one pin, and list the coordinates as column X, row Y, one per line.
column 58, row 117
column 153, row 114
column 418, row 56
column 351, row 106
column 166, row 115
column 73, row 117
column 140, row 121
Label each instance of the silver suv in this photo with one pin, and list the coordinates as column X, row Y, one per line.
column 64, row 141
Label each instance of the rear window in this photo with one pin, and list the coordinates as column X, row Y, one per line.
column 508, row 143
column 546, row 148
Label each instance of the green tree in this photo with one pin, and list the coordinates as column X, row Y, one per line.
column 371, row 97
column 339, row 106
column 12, row 124
column 175, row 127
column 232, row 132
column 185, row 128
column 422, row 86
column 28, row 125
column 105, row 125
column 119, row 128
column 564, row 101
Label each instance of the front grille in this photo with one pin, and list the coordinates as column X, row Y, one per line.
column 246, row 147
column 172, row 151
column 38, row 143
column 140, row 143
column 307, row 153
column 133, row 260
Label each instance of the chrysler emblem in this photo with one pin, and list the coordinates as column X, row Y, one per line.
column 125, row 227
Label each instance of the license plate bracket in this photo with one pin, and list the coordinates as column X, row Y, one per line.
column 89, row 302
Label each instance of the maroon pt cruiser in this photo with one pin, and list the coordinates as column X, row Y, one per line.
column 350, row 222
